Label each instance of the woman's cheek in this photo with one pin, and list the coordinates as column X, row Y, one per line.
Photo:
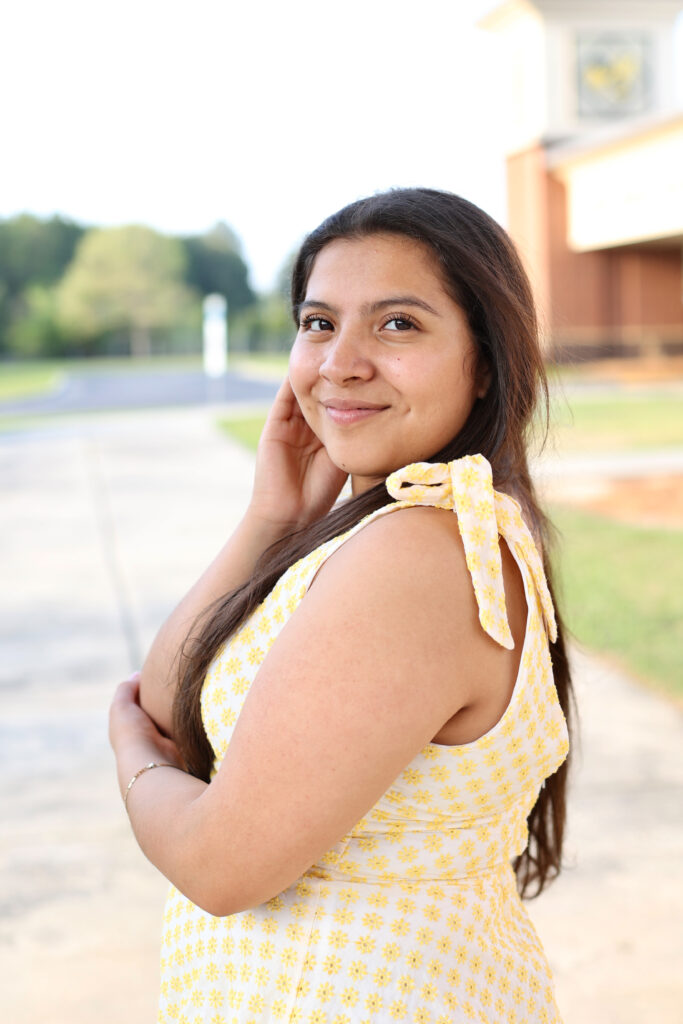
column 295, row 367
column 302, row 376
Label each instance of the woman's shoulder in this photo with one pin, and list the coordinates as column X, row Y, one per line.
column 400, row 553
column 412, row 558
column 415, row 534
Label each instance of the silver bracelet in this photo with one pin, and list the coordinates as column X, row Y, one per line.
column 147, row 767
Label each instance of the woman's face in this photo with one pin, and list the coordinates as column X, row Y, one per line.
column 383, row 365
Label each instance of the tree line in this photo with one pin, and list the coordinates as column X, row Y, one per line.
column 71, row 290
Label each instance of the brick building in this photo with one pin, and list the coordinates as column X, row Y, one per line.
column 595, row 169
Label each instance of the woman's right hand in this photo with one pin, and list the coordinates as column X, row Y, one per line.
column 295, row 482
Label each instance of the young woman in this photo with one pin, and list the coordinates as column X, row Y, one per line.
column 347, row 749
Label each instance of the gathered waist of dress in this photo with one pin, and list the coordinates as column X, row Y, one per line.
column 405, row 854
column 491, row 874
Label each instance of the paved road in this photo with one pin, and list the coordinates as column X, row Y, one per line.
column 102, row 528
column 98, row 390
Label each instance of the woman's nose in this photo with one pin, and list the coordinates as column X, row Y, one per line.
column 346, row 358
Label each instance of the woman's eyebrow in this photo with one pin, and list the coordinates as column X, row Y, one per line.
column 400, row 300
column 308, row 303
column 375, row 307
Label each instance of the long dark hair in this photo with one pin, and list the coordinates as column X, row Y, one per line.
column 482, row 272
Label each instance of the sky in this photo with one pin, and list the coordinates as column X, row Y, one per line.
column 268, row 115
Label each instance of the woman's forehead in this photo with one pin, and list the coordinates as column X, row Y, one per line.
column 377, row 260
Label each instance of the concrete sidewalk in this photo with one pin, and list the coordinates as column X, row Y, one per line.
column 104, row 524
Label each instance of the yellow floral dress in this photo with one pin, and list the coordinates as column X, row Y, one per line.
column 414, row 915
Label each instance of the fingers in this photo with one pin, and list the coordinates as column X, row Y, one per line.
column 285, row 404
column 124, row 709
column 284, row 394
column 128, row 690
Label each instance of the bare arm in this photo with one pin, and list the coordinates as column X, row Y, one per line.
column 295, row 483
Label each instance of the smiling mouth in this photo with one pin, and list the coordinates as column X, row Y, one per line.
column 346, row 413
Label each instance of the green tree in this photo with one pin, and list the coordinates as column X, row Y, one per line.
column 36, row 332
column 125, row 279
column 33, row 252
column 215, row 264
column 283, row 281
column 265, row 327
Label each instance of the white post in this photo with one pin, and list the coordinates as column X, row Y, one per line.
column 215, row 336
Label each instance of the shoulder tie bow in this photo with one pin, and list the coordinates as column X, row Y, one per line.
column 466, row 486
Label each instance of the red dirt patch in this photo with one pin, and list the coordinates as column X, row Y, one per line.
column 645, row 501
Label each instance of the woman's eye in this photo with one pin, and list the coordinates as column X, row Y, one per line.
column 316, row 324
column 400, row 323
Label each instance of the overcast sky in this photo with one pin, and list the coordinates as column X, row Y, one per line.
column 266, row 115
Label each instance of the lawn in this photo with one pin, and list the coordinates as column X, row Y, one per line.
column 620, row 588
column 23, row 380
column 245, row 429
column 273, row 363
column 617, row 422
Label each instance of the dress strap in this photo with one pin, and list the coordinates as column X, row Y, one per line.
column 512, row 526
column 466, row 487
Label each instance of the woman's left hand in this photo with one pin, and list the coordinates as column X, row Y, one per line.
column 134, row 736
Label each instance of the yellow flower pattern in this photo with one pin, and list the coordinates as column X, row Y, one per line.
column 413, row 915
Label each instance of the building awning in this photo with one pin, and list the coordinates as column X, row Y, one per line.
column 624, row 190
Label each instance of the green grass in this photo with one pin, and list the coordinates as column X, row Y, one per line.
column 245, row 429
column 618, row 422
column 23, row 380
column 20, row 424
column 272, row 363
column 622, row 594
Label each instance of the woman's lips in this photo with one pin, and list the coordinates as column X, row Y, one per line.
column 352, row 414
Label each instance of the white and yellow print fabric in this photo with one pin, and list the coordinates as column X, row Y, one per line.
column 414, row 915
